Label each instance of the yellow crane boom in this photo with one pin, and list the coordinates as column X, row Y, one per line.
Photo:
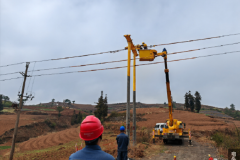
column 164, row 55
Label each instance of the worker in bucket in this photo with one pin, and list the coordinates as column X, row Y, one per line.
column 122, row 141
column 91, row 131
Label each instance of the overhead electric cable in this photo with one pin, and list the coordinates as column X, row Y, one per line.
column 123, row 49
column 126, row 66
column 124, row 59
column 66, row 57
column 30, row 78
column 194, row 40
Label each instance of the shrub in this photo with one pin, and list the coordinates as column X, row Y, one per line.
column 113, row 114
column 50, row 124
column 144, row 136
column 225, row 141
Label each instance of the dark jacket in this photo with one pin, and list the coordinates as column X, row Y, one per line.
column 122, row 141
column 91, row 152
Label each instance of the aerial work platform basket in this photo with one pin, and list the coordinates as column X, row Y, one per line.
column 147, row 54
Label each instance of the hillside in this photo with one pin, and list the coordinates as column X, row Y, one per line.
column 88, row 108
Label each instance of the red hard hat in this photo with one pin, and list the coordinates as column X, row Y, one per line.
column 91, row 128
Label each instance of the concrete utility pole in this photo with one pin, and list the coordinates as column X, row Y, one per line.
column 128, row 90
column 132, row 48
column 18, row 112
column 134, row 99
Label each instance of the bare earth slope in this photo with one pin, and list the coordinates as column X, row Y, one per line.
column 194, row 121
column 8, row 121
column 52, row 139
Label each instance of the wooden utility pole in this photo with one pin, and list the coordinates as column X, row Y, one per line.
column 18, row 112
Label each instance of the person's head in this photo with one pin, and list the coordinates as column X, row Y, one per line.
column 91, row 130
column 122, row 129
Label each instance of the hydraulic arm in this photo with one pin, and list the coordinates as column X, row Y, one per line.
column 174, row 128
column 164, row 55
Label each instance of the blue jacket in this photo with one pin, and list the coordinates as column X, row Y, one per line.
column 91, row 152
column 122, row 141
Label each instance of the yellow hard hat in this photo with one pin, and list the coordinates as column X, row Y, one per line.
column 142, row 42
column 209, row 155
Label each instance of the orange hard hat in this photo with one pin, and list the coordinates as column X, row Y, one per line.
column 90, row 128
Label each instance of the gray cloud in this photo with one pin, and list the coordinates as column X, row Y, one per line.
column 35, row 30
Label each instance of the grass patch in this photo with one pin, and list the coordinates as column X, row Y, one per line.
column 48, row 109
column 8, row 110
column 25, row 109
column 50, row 124
column 4, row 147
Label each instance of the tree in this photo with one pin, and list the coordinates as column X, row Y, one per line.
column 232, row 107
column 73, row 102
column 59, row 109
column 173, row 103
column 73, row 119
column 191, row 101
column 23, row 101
column 105, row 108
column 79, row 117
column 67, row 101
column 186, row 105
column 53, row 100
column 1, row 105
column 198, row 99
column 102, row 108
column 6, row 98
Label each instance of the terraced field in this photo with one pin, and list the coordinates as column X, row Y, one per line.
column 215, row 114
column 52, row 139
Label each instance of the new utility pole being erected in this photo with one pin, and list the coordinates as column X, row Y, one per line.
column 132, row 48
column 18, row 112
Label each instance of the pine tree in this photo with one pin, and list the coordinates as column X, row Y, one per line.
column 102, row 108
column 198, row 99
column 191, row 101
column 232, row 107
column 105, row 108
column 1, row 105
column 186, row 105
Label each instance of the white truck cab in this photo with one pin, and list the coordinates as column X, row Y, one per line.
column 160, row 126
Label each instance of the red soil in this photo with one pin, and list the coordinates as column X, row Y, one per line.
column 8, row 121
column 52, row 139
column 194, row 121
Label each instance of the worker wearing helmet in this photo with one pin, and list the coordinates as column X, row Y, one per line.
column 144, row 45
column 210, row 158
column 91, row 131
column 122, row 141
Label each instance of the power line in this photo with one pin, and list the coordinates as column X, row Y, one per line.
column 195, row 40
column 66, row 57
column 30, row 77
column 125, row 59
column 123, row 49
column 126, row 66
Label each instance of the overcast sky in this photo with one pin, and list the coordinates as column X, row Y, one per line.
column 48, row 29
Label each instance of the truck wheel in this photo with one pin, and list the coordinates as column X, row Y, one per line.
column 165, row 141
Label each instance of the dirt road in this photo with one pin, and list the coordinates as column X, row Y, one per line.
column 184, row 152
